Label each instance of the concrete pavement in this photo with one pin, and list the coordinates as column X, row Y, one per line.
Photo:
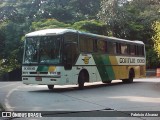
column 1, row 107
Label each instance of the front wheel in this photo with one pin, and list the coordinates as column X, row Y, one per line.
column 130, row 80
column 108, row 82
column 50, row 87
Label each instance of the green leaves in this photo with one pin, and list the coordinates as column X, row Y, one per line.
column 130, row 19
column 48, row 23
column 91, row 26
column 156, row 37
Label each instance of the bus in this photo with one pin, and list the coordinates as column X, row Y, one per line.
column 70, row 57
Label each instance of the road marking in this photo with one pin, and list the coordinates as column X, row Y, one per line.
column 7, row 104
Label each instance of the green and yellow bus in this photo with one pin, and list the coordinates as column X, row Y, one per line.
column 65, row 56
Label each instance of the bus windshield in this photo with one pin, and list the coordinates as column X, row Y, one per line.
column 42, row 50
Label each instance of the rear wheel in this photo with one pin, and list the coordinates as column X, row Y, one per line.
column 130, row 78
column 50, row 87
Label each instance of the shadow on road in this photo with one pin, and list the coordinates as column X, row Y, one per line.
column 87, row 87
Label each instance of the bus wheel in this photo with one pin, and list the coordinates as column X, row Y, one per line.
column 50, row 87
column 108, row 82
column 131, row 76
column 81, row 80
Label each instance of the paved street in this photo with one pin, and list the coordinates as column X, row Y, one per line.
column 142, row 95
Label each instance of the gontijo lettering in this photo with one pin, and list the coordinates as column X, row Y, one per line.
column 127, row 60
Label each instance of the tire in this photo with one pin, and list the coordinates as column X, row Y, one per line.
column 50, row 87
column 108, row 82
column 131, row 76
column 81, row 80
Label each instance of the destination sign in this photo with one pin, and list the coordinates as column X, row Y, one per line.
column 29, row 68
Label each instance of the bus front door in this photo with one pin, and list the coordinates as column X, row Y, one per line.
column 70, row 55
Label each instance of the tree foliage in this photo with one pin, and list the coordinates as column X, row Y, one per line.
column 62, row 10
column 11, row 49
column 156, row 37
column 48, row 23
column 90, row 26
column 130, row 19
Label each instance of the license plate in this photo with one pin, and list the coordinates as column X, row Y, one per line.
column 38, row 78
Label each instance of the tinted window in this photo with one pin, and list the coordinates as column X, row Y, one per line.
column 102, row 46
column 112, row 47
column 132, row 50
column 141, row 50
column 124, row 49
column 86, row 43
column 71, row 37
column 118, row 48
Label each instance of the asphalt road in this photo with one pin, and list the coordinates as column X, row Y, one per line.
column 142, row 95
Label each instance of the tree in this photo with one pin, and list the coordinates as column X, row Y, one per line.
column 130, row 19
column 63, row 10
column 47, row 23
column 85, row 9
column 92, row 26
column 152, row 59
column 11, row 54
column 113, row 14
column 156, row 37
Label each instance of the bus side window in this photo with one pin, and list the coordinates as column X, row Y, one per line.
column 141, row 50
column 86, row 43
column 112, row 48
column 95, row 45
column 137, row 51
column 102, row 46
column 118, row 48
column 71, row 37
column 132, row 50
column 124, row 49
column 128, row 49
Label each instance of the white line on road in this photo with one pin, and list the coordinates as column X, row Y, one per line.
column 7, row 104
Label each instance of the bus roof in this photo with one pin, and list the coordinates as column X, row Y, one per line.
column 59, row 31
column 47, row 32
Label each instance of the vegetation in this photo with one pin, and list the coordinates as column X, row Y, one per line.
column 156, row 37
column 129, row 19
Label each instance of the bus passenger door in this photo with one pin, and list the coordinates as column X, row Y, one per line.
column 70, row 55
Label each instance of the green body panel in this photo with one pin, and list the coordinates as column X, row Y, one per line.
column 104, row 67
column 42, row 69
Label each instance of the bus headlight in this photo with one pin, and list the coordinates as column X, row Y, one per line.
column 25, row 78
